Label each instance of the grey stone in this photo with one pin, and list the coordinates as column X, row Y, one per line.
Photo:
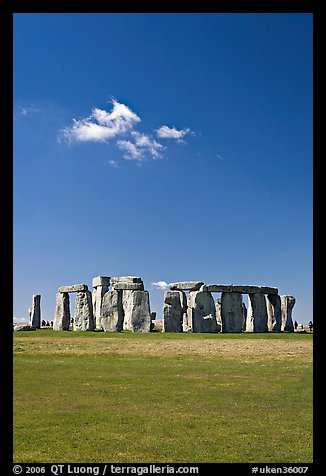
column 126, row 286
column 157, row 326
column 287, row 304
column 24, row 328
column 112, row 312
column 101, row 281
column 74, row 288
column 136, row 309
column 201, row 312
column 242, row 289
column 186, row 286
column 62, row 312
column 97, row 297
column 129, row 279
column 274, row 313
column 35, row 315
column 244, row 316
column 83, row 319
column 231, row 312
column 257, row 319
column 172, row 312
column 218, row 314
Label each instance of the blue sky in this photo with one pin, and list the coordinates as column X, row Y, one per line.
column 168, row 146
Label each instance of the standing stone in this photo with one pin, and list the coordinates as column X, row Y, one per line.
column 62, row 313
column 83, row 319
column 218, row 314
column 136, row 309
column 287, row 304
column 98, row 293
column 257, row 313
column 112, row 312
column 172, row 312
column 274, row 313
column 231, row 312
column 35, row 315
column 244, row 316
column 201, row 312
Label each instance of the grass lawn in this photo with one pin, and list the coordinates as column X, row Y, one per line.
column 171, row 398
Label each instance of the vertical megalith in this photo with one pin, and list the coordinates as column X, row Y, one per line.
column 100, row 287
column 83, row 319
column 244, row 316
column 112, row 312
column 231, row 312
column 62, row 312
column 257, row 320
column 172, row 312
column 287, row 304
column 136, row 309
column 274, row 313
column 201, row 311
column 35, row 311
column 218, row 314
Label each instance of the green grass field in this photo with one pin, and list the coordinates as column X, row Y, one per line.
column 123, row 398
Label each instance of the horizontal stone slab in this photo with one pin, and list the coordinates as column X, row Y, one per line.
column 230, row 288
column 129, row 279
column 186, row 286
column 101, row 281
column 24, row 328
column 74, row 288
column 125, row 286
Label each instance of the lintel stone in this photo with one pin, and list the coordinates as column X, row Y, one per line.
column 186, row 286
column 242, row 289
column 74, row 288
column 101, row 281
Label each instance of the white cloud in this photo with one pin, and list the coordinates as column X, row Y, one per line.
column 20, row 320
column 166, row 132
column 160, row 285
column 102, row 125
column 219, row 157
column 142, row 146
column 113, row 163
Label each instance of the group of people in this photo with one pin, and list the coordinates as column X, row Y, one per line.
column 46, row 323
column 310, row 325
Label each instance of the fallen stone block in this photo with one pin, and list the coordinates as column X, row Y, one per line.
column 24, row 328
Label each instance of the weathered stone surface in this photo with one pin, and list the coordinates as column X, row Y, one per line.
column 97, row 297
column 244, row 316
column 268, row 290
column 287, row 304
column 74, row 288
column 186, row 286
column 201, row 312
column 125, row 285
column 101, row 281
column 231, row 312
column 24, row 328
column 172, row 312
column 274, row 313
column 129, row 279
column 112, row 312
column 218, row 314
column 35, row 315
column 257, row 319
column 242, row 289
column 83, row 319
column 62, row 312
column 136, row 309
column 157, row 326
